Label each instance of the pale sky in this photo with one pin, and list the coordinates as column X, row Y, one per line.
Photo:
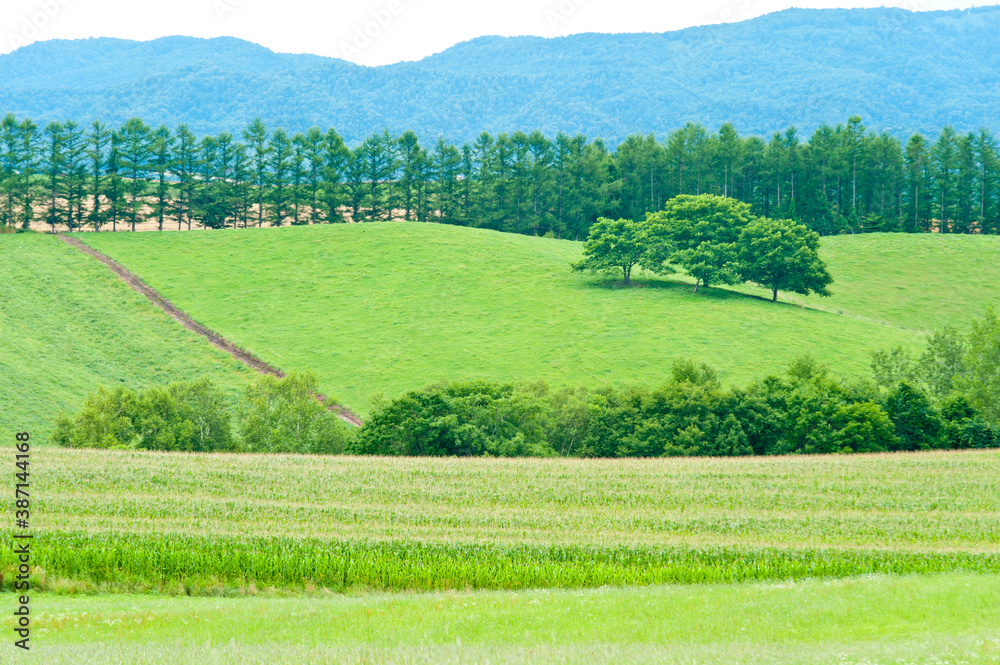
column 396, row 29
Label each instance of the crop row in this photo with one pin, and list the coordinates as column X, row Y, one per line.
column 193, row 564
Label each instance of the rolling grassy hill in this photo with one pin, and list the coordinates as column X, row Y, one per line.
column 68, row 325
column 922, row 281
column 391, row 307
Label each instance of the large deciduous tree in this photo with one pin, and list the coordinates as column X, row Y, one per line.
column 703, row 231
column 782, row 256
column 619, row 245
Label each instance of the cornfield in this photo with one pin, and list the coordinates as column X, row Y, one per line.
column 226, row 523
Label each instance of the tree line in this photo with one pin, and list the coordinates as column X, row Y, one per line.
column 947, row 398
column 844, row 178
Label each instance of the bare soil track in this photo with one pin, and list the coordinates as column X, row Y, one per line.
column 215, row 339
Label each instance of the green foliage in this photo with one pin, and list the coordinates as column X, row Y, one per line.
column 182, row 416
column 918, row 425
column 274, row 415
column 285, row 416
column 960, row 371
column 690, row 416
column 621, row 244
column 981, row 380
column 891, row 367
column 703, row 231
column 781, row 255
column 806, row 368
column 107, row 420
column 461, row 419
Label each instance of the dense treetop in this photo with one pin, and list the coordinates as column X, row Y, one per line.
column 902, row 71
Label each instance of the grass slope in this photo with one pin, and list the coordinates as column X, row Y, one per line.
column 937, row 619
column 922, row 281
column 392, row 307
column 68, row 325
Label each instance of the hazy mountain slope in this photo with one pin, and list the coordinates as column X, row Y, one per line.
column 903, row 71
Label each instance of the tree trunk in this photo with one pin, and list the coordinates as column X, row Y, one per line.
column 774, row 298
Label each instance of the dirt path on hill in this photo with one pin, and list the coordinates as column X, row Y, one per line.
column 216, row 340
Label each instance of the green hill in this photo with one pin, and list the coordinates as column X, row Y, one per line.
column 390, row 307
column 68, row 325
column 922, row 281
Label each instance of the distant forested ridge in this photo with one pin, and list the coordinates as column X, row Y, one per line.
column 842, row 179
column 904, row 72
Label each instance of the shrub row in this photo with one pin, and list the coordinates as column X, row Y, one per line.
column 272, row 415
column 806, row 412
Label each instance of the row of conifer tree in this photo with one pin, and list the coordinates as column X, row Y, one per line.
column 843, row 179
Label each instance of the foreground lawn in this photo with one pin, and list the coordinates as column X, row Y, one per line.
column 392, row 307
column 953, row 618
column 70, row 325
column 226, row 524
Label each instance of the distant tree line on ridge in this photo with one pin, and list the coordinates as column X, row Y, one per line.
column 948, row 398
column 843, row 179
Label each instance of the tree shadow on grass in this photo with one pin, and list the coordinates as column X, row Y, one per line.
column 683, row 288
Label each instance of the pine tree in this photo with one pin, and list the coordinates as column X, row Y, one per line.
column 135, row 155
column 337, row 156
column 256, row 137
column 161, row 162
column 76, row 173
column 280, row 168
column 97, row 145
column 185, row 165
column 54, row 168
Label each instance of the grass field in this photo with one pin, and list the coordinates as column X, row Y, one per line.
column 224, row 523
column 922, row 281
column 392, row 307
column 69, row 325
column 937, row 619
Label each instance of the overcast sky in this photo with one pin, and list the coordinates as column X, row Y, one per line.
column 396, row 29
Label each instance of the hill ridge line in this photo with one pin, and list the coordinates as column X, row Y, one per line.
column 216, row 340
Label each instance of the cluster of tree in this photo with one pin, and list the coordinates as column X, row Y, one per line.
column 273, row 415
column 953, row 365
column 844, row 179
column 716, row 240
column 805, row 412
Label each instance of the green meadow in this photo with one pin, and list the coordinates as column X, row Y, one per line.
column 69, row 325
column 917, row 620
column 921, row 281
column 383, row 308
